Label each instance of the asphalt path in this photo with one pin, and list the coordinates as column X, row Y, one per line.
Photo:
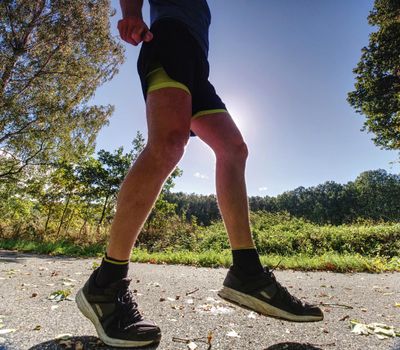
column 183, row 301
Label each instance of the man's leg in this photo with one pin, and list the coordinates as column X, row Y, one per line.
column 105, row 298
column 221, row 134
column 246, row 283
column 168, row 119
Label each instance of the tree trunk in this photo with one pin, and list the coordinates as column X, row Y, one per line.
column 47, row 220
column 69, row 221
column 82, row 227
column 63, row 214
column 104, row 211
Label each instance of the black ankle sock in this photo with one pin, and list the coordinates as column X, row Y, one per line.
column 111, row 270
column 246, row 262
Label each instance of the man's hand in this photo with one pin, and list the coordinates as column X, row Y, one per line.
column 133, row 30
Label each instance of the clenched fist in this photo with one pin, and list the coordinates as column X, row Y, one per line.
column 133, row 30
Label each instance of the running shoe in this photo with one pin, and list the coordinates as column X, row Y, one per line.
column 114, row 312
column 265, row 295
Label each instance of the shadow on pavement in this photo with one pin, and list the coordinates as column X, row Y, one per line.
column 84, row 342
column 10, row 256
column 293, row 346
column 19, row 257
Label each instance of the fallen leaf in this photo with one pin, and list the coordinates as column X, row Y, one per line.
column 216, row 310
column 360, row 329
column 233, row 334
column 66, row 279
column 381, row 330
column 397, row 305
column 68, row 284
column 37, row 328
column 210, row 337
column 212, row 300
column 192, row 346
column 59, row 295
column 34, row 295
column 382, row 333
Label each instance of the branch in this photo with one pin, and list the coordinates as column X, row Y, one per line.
column 39, row 71
column 7, row 136
column 25, row 163
column 19, row 47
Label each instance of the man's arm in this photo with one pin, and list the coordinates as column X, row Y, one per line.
column 131, row 8
column 131, row 27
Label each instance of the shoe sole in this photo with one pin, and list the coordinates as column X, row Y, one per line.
column 262, row 307
column 86, row 309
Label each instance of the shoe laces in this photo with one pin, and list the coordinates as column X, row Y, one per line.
column 127, row 304
column 282, row 291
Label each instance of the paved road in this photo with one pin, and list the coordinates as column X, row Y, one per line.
column 183, row 301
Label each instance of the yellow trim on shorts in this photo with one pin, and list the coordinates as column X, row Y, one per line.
column 159, row 79
column 209, row 111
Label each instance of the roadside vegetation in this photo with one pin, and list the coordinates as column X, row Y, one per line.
column 282, row 240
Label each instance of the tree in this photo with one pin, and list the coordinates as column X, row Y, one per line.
column 102, row 178
column 377, row 195
column 53, row 56
column 377, row 87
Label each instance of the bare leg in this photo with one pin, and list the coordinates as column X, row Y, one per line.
column 168, row 118
column 221, row 134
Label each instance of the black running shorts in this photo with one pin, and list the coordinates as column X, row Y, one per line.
column 173, row 58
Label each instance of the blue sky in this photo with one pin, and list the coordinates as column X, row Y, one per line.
column 283, row 68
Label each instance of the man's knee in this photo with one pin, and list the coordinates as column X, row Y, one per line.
column 168, row 148
column 235, row 150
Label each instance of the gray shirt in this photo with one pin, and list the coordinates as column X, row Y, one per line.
column 195, row 14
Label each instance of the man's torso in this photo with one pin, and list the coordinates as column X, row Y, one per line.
column 195, row 14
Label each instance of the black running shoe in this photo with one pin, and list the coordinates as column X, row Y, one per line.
column 264, row 294
column 114, row 312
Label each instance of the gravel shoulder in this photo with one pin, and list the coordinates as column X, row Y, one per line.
column 183, row 301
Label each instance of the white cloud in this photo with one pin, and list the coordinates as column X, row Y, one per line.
column 200, row 176
column 262, row 189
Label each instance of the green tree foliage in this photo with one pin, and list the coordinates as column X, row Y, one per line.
column 203, row 208
column 374, row 195
column 377, row 195
column 77, row 200
column 377, row 88
column 53, row 56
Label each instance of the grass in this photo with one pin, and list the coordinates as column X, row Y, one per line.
column 329, row 261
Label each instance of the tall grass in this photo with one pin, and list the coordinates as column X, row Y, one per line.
column 292, row 242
